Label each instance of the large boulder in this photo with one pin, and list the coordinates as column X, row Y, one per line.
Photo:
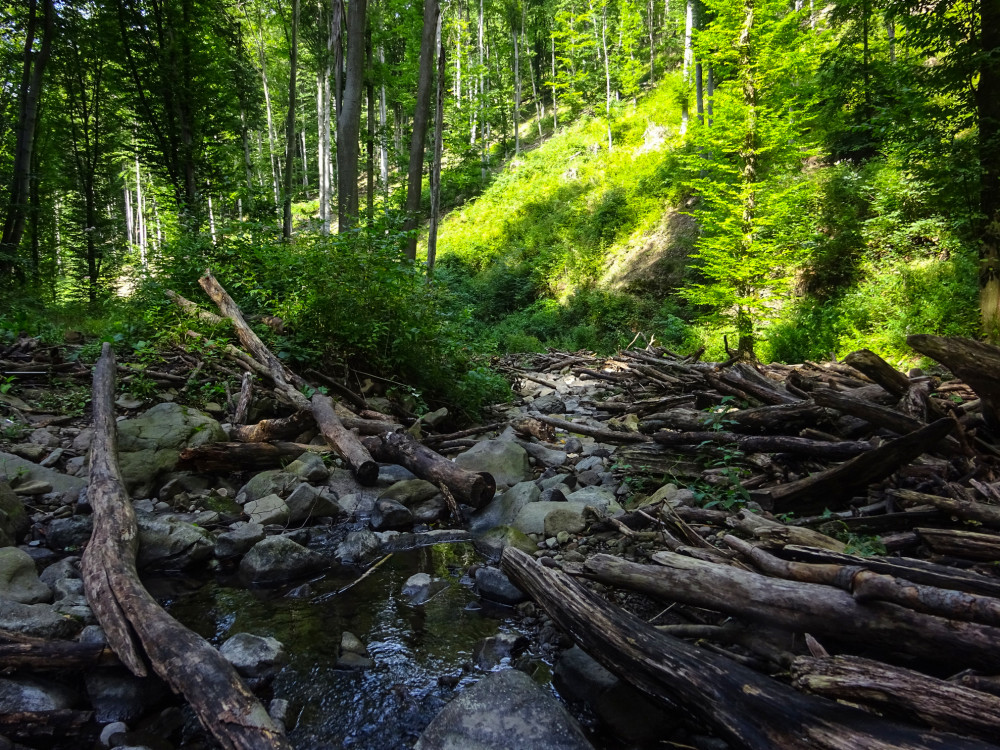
column 505, row 460
column 278, row 559
column 306, row 503
column 358, row 548
column 29, row 694
column 410, row 492
column 150, row 444
column 26, row 471
column 389, row 514
column 254, row 656
column 269, row 509
column 492, row 544
column 600, row 497
column 271, row 482
column 38, row 620
column 504, row 509
column 236, row 542
column 14, row 521
column 309, row 467
column 531, row 519
column 169, row 544
column 505, row 710
column 19, row 578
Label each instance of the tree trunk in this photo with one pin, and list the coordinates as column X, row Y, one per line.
column 414, row 176
column 286, row 223
column 370, row 140
column 988, row 111
column 349, row 117
column 344, row 442
column 436, row 165
column 686, row 69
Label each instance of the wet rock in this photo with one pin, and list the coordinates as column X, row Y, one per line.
column 504, row 509
column 410, row 492
column 39, row 620
column 420, row 588
column 492, row 544
column 358, row 548
column 506, row 461
column 309, row 467
column 490, row 652
column 430, row 510
column 254, row 656
column 565, row 520
column 167, row 544
column 349, row 660
column 68, row 567
column 389, row 474
column 350, row 643
column 30, row 451
column 505, row 710
column 117, row 695
column 531, row 519
column 30, row 694
column 550, row 404
column 271, row 482
column 69, row 533
column 269, row 509
column 70, row 599
column 239, row 540
column 19, row 579
column 601, row 498
column 278, row 559
column 495, row 586
column 624, row 709
column 110, row 730
column 389, row 514
column 81, row 443
column 306, row 503
column 150, row 444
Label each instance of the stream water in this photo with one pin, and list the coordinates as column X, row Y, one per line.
column 421, row 652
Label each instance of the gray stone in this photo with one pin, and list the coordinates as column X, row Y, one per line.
column 269, row 509
column 549, row 457
column 254, row 656
column 505, row 710
column 39, row 620
column 309, row 467
column 506, row 461
column 14, row 521
column 239, row 540
column 117, row 695
column 389, row 474
column 179, row 482
column 42, row 436
column 30, row 694
column 349, row 660
column 430, row 510
column 410, row 492
column 110, row 730
column 150, row 445
column 30, row 451
column 75, row 465
column 69, row 533
column 351, row 644
column 490, row 652
column 57, row 571
column 531, row 519
column 573, row 445
column 306, row 503
column 388, row 514
column 278, row 559
column 629, row 713
column 81, row 443
column 555, row 494
column 492, row 544
column 420, row 588
column 589, row 478
column 504, row 509
column 600, row 497
column 590, row 462
column 565, row 520
column 27, row 471
column 550, row 404
column 358, row 548
column 168, row 544
column 495, row 586
column 557, row 480
column 272, row 482
column 33, row 488
column 52, row 459
column 19, row 579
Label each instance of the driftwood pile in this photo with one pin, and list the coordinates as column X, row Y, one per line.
column 800, row 467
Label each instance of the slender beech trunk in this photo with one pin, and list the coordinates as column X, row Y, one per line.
column 539, row 105
column 322, row 145
column 688, row 56
column 436, row 164
column 286, row 224
column 247, row 160
column 305, row 157
column 699, row 92
column 370, row 143
column 555, row 103
column 988, row 110
column 607, row 72
column 383, row 120
column 271, row 137
column 415, row 172
column 710, row 95
column 652, row 42
column 747, row 60
column 349, row 116
column 517, row 94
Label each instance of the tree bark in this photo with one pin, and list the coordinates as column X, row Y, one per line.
column 343, row 441
column 286, row 223
column 974, row 362
column 131, row 618
column 880, row 371
column 349, row 117
column 988, row 112
column 435, row 181
column 218, row 457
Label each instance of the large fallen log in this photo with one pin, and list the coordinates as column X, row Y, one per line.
column 598, row 433
column 344, row 441
column 880, row 371
column 972, row 545
column 801, row 607
column 472, row 488
column 747, row 709
column 941, row 704
column 973, row 361
column 219, row 457
column 767, row 444
column 780, row 419
column 967, row 510
column 132, row 620
column 282, row 428
column 875, row 414
column 55, row 655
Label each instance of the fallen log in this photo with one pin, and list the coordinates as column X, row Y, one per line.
column 801, row 607
column 61, row 728
column 55, row 655
column 767, row 444
column 747, row 709
column 955, row 605
column 747, row 379
column 246, row 396
column 343, row 441
column 132, row 620
column 471, row 488
column 874, row 414
column 191, row 309
column 828, row 488
column 272, row 429
column 879, row 371
column 972, row 545
column 602, row 434
column 973, row 361
column 941, row 704
column 967, row 510
column 220, row 457
column 780, row 419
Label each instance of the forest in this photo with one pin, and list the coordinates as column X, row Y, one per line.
column 647, row 347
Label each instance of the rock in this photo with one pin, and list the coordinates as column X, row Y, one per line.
column 600, row 497
column 573, row 445
column 52, row 459
column 184, row 481
column 589, row 463
column 150, row 444
column 271, row 482
column 69, row 599
column 30, row 451
column 430, row 510
column 167, row 544
column 546, row 456
column 358, row 548
column 81, row 443
column 33, row 488
column 531, row 519
column 629, row 713
column 666, row 494
column 269, row 509
column 505, row 710
column 117, row 695
column 69, row 533
column 389, row 474
column 388, row 514
column 42, row 436
column 57, row 571
column 420, row 588
column 19, row 579
column 278, row 559
column 555, row 494
column 254, row 656
column 110, row 730
column 306, row 503
column 506, row 461
column 495, row 586
column 239, row 540
column 309, row 467
column 504, row 509
column 349, row 660
column 39, row 620
column 550, row 404
column 350, row 643
column 565, row 520
column 490, row 652
column 558, row 480
column 410, row 492
column 75, row 465
column 492, row 544
column 28, row 471
column 31, row 694
column 14, row 521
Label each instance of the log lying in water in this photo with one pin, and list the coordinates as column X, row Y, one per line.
column 132, row 620
column 748, row 709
